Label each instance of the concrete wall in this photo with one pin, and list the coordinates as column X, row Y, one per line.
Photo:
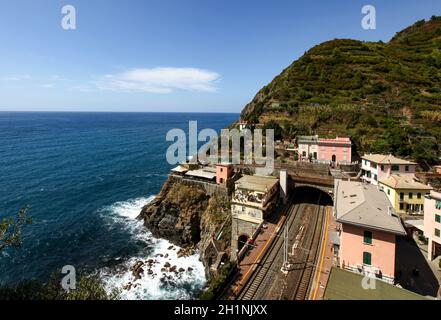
column 241, row 227
column 382, row 250
column 209, row 187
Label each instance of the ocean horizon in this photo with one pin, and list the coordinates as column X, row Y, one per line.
column 85, row 177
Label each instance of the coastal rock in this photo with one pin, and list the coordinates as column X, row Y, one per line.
column 175, row 213
column 189, row 218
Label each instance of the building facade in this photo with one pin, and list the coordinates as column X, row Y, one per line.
column 368, row 230
column 308, row 148
column 376, row 167
column 432, row 223
column 406, row 195
column 253, row 199
column 338, row 150
column 224, row 172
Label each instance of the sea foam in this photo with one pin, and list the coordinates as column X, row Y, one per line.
column 158, row 283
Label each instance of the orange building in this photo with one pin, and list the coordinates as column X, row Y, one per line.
column 224, row 171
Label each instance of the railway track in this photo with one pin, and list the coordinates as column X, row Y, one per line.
column 305, row 222
column 263, row 267
column 307, row 270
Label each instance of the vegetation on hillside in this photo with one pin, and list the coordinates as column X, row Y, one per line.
column 385, row 96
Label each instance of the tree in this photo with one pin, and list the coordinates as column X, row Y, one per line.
column 278, row 131
column 11, row 229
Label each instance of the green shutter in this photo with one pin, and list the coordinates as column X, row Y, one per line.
column 367, row 258
column 437, row 232
column 437, row 218
column 367, row 237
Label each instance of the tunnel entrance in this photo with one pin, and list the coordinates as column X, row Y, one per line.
column 307, row 194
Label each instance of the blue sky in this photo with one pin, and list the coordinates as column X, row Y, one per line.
column 192, row 55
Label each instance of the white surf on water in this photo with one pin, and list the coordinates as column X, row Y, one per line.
column 154, row 284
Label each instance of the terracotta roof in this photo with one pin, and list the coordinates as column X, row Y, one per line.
column 398, row 181
column 385, row 159
column 364, row 205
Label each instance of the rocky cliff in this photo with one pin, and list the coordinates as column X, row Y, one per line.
column 186, row 216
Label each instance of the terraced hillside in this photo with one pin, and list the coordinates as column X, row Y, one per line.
column 386, row 96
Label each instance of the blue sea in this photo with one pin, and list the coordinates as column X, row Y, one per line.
column 85, row 178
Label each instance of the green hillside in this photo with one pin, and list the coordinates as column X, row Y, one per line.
column 386, row 96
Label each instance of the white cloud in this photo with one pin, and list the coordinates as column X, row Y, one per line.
column 160, row 80
column 56, row 77
column 47, row 85
column 16, row 77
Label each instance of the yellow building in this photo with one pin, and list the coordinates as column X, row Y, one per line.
column 405, row 194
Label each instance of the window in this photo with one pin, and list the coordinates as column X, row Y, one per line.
column 365, row 162
column 367, row 258
column 367, row 237
column 419, row 195
column 406, row 168
column 222, row 169
column 368, row 174
column 401, row 206
column 375, row 177
column 382, row 167
column 401, row 195
column 388, row 192
column 438, row 204
column 437, row 218
column 437, row 233
column 410, row 195
column 395, row 167
column 221, row 180
column 304, row 153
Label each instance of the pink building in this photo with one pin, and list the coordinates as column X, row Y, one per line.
column 338, row 150
column 369, row 227
column 224, row 171
column 377, row 167
column 335, row 150
column 432, row 223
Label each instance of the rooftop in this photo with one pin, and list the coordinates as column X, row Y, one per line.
column 205, row 173
column 345, row 285
column 385, row 159
column 365, row 206
column 180, row 169
column 256, row 183
column 337, row 140
column 398, row 181
column 307, row 139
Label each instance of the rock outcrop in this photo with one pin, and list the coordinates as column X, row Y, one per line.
column 175, row 214
column 186, row 216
